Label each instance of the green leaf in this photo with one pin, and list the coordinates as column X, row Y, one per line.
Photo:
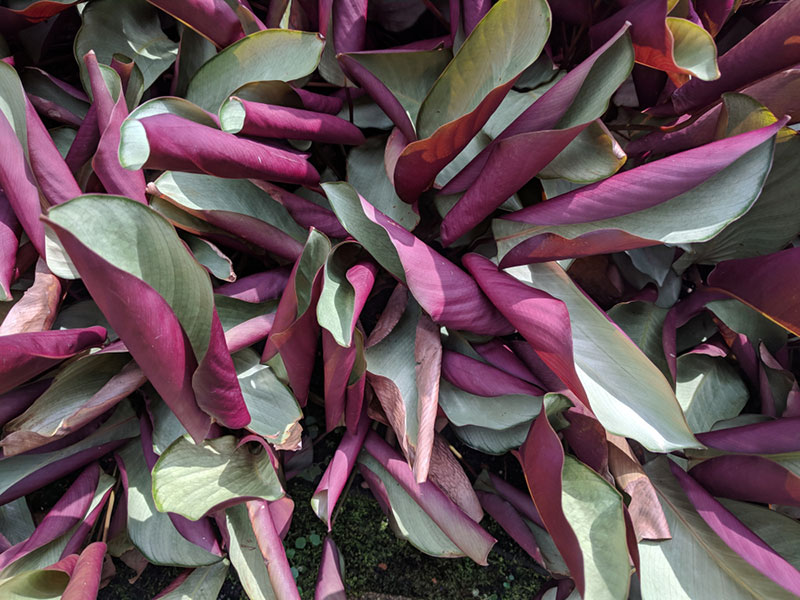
column 782, row 533
column 121, row 425
column 211, row 257
column 644, row 323
column 627, row 392
column 151, row 531
column 724, row 197
column 709, row 390
column 52, row 551
column 127, row 27
column 493, row 441
column 406, row 517
column 771, row 223
column 139, row 241
column 246, row 556
column 366, row 172
column 593, row 155
column 695, row 563
column 35, row 585
column 336, row 305
column 232, row 311
column 16, row 521
column 203, row 583
column 505, row 42
column 199, row 194
column 409, row 76
column 274, row 411
column 498, row 413
column 748, row 321
column 273, row 54
column 594, row 511
column 694, row 49
column 54, row 413
column 191, row 479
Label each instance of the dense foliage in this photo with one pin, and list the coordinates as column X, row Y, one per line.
column 561, row 233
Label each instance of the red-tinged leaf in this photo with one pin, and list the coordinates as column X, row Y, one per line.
column 9, row 241
column 482, row 379
column 775, row 92
column 25, row 355
column 542, row 460
column 271, row 121
column 213, row 19
column 769, row 48
column 36, row 310
column 750, row 478
column 111, row 112
column 84, row 582
column 445, row 292
column 734, row 533
column 676, row 46
column 462, row 99
column 330, row 581
column 338, row 471
column 588, row 225
column 28, row 13
column 764, row 283
column 537, row 136
column 541, row 319
column 295, row 330
column 465, row 533
column 646, row 514
column 269, row 542
column 169, row 142
column 191, row 368
column 338, row 365
column 521, row 501
column 428, row 366
column 714, row 13
column 587, row 439
column 69, row 511
column 512, row 522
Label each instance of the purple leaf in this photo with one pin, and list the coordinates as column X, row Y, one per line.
column 295, row 330
column 542, row 460
column 110, row 115
column 9, row 241
column 330, row 581
column 628, row 192
column 269, row 542
column 750, row 478
column 512, row 522
column 271, row 121
column 69, row 511
column 481, row 379
column 169, row 142
column 465, row 533
column 771, row 437
column 15, row 402
column 764, row 283
column 445, row 292
column 25, row 355
column 213, row 19
column 541, row 319
column 84, row 582
column 258, row 287
column 338, row 472
column 734, row 533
